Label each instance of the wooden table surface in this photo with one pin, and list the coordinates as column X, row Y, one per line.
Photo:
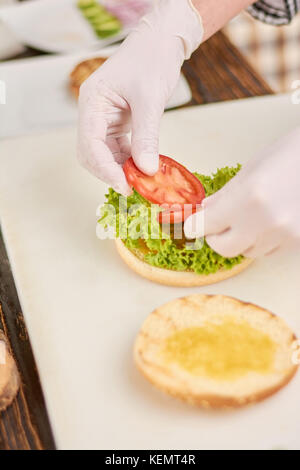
column 216, row 72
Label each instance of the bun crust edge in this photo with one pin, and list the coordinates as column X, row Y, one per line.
column 210, row 401
column 169, row 277
column 159, row 375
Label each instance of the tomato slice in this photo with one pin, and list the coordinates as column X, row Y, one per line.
column 173, row 187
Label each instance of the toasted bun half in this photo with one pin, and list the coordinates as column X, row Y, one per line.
column 169, row 277
column 207, row 388
column 9, row 375
column 82, row 71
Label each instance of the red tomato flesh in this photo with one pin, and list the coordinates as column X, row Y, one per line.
column 172, row 185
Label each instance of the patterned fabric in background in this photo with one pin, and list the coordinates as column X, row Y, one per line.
column 274, row 51
column 275, row 11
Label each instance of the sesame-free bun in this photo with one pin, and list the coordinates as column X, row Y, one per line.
column 170, row 277
column 206, row 389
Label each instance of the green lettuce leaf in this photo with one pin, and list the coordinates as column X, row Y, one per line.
column 147, row 239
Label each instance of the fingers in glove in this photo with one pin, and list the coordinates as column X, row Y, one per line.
column 120, row 148
column 267, row 243
column 102, row 164
column 214, row 218
column 145, row 135
column 125, row 146
column 95, row 155
column 230, row 243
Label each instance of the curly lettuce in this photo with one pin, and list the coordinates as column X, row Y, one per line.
column 147, row 239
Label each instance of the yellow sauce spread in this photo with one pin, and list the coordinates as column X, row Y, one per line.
column 223, row 351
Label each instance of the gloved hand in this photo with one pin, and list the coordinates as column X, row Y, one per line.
column 130, row 90
column 258, row 211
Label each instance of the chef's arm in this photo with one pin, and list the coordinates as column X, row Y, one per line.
column 216, row 13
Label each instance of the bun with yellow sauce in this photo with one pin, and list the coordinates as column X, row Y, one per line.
column 215, row 351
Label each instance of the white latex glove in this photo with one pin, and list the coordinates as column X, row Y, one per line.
column 258, row 211
column 130, row 90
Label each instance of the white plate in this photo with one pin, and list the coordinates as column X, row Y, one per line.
column 9, row 45
column 54, row 26
column 83, row 306
column 38, row 96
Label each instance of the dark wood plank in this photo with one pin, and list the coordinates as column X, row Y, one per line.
column 215, row 72
column 24, row 425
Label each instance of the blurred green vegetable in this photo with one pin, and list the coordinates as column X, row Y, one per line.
column 103, row 22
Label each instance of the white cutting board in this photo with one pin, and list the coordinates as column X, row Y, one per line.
column 38, row 95
column 83, row 306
